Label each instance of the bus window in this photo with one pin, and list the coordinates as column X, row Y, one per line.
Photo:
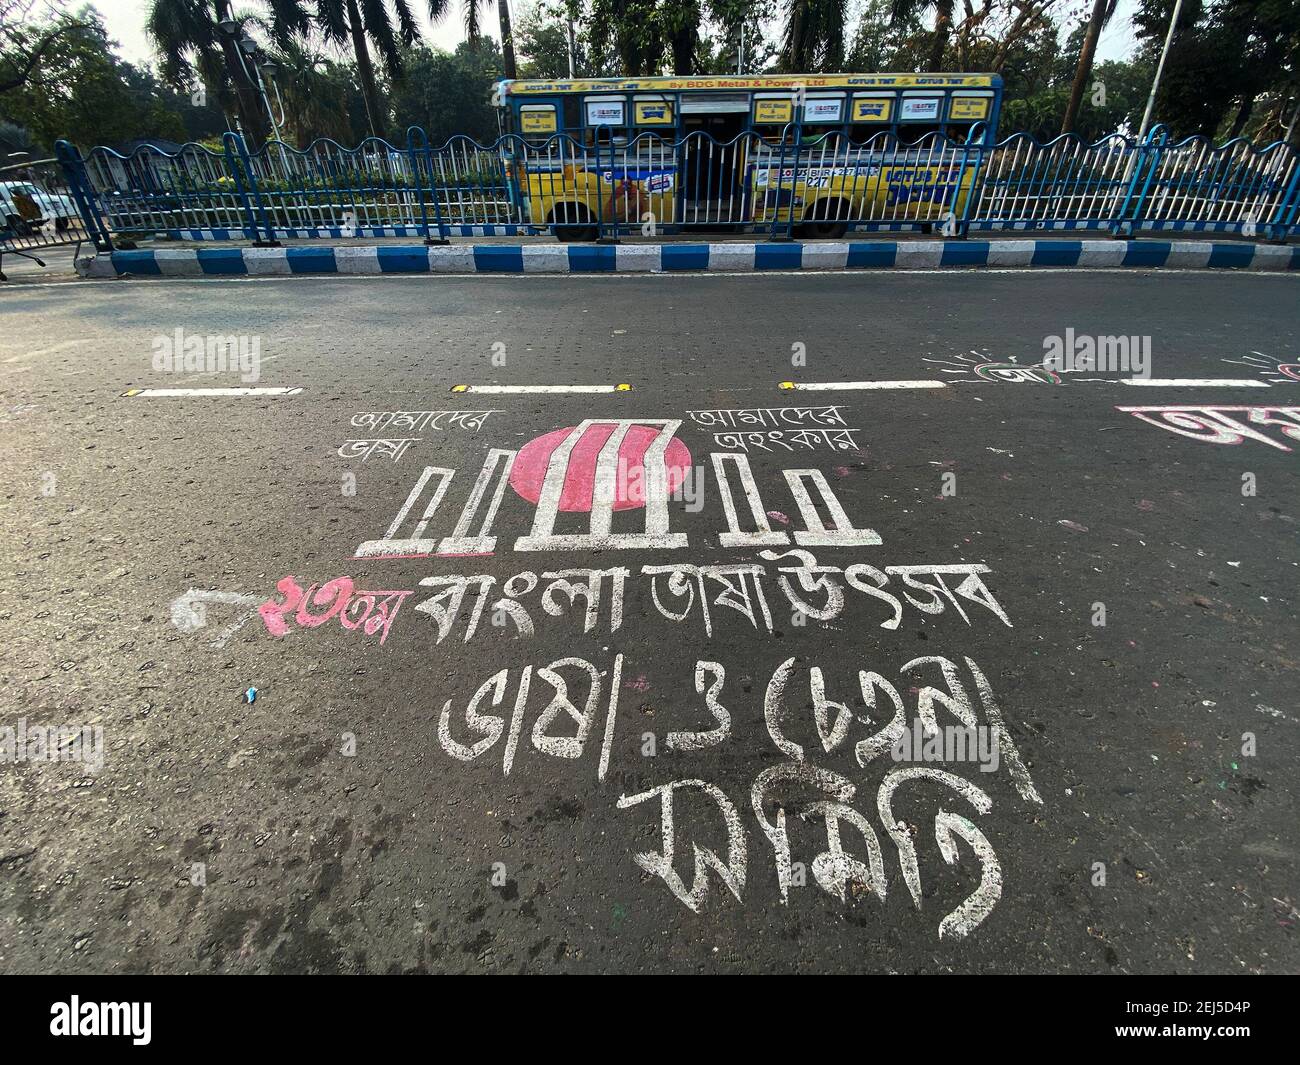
column 605, row 135
column 862, row 132
column 572, row 114
column 606, row 119
column 822, row 137
column 771, row 134
column 913, row 133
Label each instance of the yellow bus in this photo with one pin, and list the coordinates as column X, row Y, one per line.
column 820, row 153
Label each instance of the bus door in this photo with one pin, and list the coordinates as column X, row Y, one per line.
column 711, row 160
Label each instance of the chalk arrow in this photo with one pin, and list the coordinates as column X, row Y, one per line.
column 190, row 611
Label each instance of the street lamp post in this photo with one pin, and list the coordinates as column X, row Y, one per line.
column 228, row 30
column 1160, row 69
column 245, row 48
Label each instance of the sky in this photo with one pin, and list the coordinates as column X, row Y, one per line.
column 125, row 22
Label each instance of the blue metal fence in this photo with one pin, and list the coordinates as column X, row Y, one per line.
column 599, row 188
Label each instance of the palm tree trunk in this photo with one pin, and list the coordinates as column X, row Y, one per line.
column 365, row 68
column 1243, row 114
column 507, row 38
column 682, row 46
column 1084, row 67
column 942, row 31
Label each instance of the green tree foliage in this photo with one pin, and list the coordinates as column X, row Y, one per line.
column 1038, row 75
column 1233, row 67
column 448, row 92
column 81, row 90
column 542, row 40
column 648, row 37
column 719, row 48
column 909, row 10
column 885, row 42
column 320, row 95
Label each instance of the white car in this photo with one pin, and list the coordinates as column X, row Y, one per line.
column 53, row 206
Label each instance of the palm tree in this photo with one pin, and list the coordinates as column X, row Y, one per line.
column 314, row 91
column 438, row 10
column 1102, row 10
column 362, row 21
column 814, row 35
column 186, row 36
column 901, row 10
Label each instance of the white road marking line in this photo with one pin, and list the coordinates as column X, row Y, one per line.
column 1196, row 382
column 174, row 392
column 508, row 390
column 853, row 386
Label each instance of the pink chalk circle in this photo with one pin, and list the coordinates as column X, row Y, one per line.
column 630, row 483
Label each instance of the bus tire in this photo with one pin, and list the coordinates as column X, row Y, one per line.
column 568, row 232
column 822, row 219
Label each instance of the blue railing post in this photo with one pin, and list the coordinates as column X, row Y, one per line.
column 601, row 238
column 794, row 173
column 411, row 131
column 83, row 194
column 1125, row 223
column 1284, row 217
column 776, row 201
column 976, row 135
column 788, row 235
column 241, row 169
column 600, row 203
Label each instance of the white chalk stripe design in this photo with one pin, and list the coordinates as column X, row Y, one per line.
column 854, row 386
column 1195, row 382
column 528, row 390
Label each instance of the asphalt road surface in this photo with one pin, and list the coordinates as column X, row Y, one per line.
column 637, row 679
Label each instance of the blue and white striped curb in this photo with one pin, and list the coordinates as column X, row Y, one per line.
column 653, row 258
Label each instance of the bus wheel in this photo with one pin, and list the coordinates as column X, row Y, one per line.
column 823, row 220
column 824, row 230
column 567, row 231
column 576, row 234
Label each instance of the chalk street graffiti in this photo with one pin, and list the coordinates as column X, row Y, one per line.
column 573, row 692
column 418, row 421
column 364, row 449
column 860, row 726
column 979, row 366
column 767, row 417
column 1269, row 367
column 414, row 421
column 190, row 612
column 598, row 468
column 369, row 611
column 812, row 439
column 1223, row 425
column 677, row 592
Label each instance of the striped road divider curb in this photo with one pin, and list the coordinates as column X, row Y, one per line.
column 665, row 258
